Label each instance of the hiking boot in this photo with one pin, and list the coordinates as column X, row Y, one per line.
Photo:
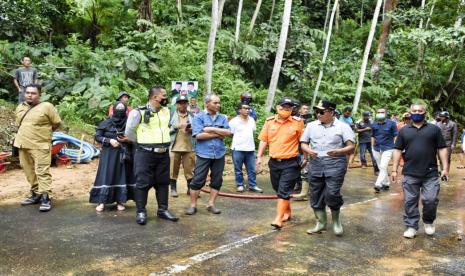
column 33, row 199
column 45, row 203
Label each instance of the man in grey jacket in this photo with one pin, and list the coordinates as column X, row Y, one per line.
column 182, row 144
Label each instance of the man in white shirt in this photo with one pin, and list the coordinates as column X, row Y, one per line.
column 243, row 147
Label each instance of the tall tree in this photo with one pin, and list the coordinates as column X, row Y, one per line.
column 325, row 54
column 254, row 17
column 211, row 48
column 179, row 10
column 421, row 47
column 371, row 35
column 273, row 4
column 279, row 55
column 390, row 5
column 238, row 22
column 220, row 12
column 145, row 12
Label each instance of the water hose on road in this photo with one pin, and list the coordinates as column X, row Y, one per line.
column 242, row 196
column 83, row 154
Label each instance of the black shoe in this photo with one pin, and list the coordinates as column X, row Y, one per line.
column 33, row 199
column 141, row 218
column 45, row 203
column 385, row 188
column 165, row 214
column 190, row 211
column 377, row 189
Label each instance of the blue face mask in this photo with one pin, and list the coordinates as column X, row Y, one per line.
column 417, row 118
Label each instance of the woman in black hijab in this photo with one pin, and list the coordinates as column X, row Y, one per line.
column 115, row 178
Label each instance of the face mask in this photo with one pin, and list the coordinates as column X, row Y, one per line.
column 417, row 117
column 164, row 102
column 119, row 113
column 380, row 116
column 284, row 114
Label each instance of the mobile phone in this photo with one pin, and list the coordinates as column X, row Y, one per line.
column 445, row 178
column 119, row 134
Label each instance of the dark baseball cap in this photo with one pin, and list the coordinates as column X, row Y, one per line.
column 182, row 98
column 286, row 101
column 366, row 114
column 121, row 94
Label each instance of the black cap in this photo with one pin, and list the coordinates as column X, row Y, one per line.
column 286, row 100
column 444, row 114
column 182, row 98
column 325, row 105
column 121, row 94
column 366, row 114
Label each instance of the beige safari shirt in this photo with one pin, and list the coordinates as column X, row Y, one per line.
column 36, row 131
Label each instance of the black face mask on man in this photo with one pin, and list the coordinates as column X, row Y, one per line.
column 164, row 102
column 119, row 113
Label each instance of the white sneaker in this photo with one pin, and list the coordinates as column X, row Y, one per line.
column 430, row 229
column 410, row 233
column 240, row 188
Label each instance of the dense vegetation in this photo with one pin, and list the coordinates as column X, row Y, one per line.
column 87, row 51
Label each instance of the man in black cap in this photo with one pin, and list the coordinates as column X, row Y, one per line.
column 123, row 97
column 327, row 141
column 363, row 128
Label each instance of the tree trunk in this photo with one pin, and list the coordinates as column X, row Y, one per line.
column 338, row 15
column 328, row 11
column 458, row 22
column 421, row 47
column 238, row 22
column 361, row 13
column 179, row 9
column 220, row 12
column 254, row 17
column 279, row 55
column 145, row 12
column 361, row 78
column 273, row 4
column 211, row 48
column 375, row 68
column 325, row 54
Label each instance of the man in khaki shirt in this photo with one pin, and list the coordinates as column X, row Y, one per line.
column 182, row 144
column 34, row 140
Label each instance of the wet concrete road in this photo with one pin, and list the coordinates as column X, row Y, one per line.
column 72, row 239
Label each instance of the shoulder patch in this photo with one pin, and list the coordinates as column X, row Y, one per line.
column 296, row 118
column 270, row 118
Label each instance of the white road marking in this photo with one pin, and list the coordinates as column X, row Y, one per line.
column 184, row 265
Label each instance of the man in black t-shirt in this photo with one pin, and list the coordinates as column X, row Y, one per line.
column 419, row 144
column 363, row 128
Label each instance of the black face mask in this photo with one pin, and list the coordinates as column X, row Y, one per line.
column 164, row 102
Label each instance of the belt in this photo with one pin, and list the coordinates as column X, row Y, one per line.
column 157, row 150
column 281, row 160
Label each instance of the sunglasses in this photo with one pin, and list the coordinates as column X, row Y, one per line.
column 321, row 112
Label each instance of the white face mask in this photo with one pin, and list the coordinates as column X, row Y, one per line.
column 380, row 116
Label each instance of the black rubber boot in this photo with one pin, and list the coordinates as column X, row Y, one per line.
column 140, row 197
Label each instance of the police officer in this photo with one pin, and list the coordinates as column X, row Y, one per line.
column 149, row 128
column 327, row 141
column 281, row 134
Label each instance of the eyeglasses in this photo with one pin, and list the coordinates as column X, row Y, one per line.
column 321, row 112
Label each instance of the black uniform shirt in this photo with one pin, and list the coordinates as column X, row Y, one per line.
column 420, row 147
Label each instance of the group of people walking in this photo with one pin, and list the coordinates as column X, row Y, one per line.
column 145, row 147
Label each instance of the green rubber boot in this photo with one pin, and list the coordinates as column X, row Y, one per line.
column 304, row 192
column 321, row 219
column 337, row 225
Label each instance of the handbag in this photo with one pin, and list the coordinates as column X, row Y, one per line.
column 15, row 150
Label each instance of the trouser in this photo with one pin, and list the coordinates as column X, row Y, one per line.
column 36, row 166
column 187, row 159
column 429, row 190
column 326, row 191
column 21, row 95
column 246, row 158
column 382, row 159
column 367, row 147
column 449, row 155
column 202, row 167
column 152, row 170
column 283, row 175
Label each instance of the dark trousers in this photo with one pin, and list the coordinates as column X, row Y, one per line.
column 429, row 190
column 284, row 176
column 367, row 147
column 202, row 167
column 151, row 170
column 326, row 191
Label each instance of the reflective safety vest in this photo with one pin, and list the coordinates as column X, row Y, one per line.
column 157, row 131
